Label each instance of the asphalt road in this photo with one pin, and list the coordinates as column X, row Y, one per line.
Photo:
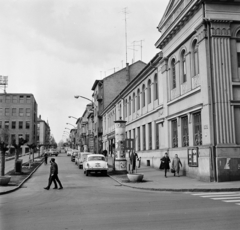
column 98, row 202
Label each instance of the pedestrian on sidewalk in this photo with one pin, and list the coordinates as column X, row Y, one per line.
column 45, row 157
column 165, row 163
column 54, row 176
column 176, row 164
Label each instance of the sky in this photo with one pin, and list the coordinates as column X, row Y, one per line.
column 56, row 49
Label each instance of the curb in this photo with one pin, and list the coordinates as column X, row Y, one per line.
column 179, row 190
column 20, row 185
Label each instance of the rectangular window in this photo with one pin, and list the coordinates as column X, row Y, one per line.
column 0, row 124
column 174, row 134
column 6, row 125
column 150, row 135
column 7, row 111
column 28, row 99
column 14, row 112
column 134, row 137
column 15, row 99
column 157, row 136
column 27, row 124
column 21, row 112
column 13, row 124
column 184, row 70
column 21, row 99
column 20, row 124
column 185, row 135
column 8, row 99
column 197, row 129
column 28, row 113
column 144, row 137
column 139, row 139
column 129, row 134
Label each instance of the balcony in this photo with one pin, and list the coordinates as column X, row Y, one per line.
column 99, row 114
column 99, row 97
column 100, row 130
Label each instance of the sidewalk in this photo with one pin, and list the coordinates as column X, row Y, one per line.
column 155, row 180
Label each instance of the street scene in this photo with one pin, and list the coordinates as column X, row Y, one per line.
column 120, row 114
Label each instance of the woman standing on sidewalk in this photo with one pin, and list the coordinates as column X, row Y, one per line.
column 176, row 164
column 165, row 162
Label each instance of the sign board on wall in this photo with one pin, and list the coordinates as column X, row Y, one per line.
column 193, row 157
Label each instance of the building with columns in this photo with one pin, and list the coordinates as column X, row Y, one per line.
column 186, row 101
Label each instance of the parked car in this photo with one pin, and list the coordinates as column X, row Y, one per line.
column 95, row 163
column 53, row 152
column 80, row 158
column 69, row 152
column 74, row 154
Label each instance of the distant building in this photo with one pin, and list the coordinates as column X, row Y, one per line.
column 43, row 132
column 18, row 115
column 105, row 91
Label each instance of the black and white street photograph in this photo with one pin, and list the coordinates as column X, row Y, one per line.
column 119, row 114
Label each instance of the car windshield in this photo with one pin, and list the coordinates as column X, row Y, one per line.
column 96, row 158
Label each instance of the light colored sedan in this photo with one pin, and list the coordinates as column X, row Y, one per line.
column 80, row 158
column 95, row 163
column 69, row 152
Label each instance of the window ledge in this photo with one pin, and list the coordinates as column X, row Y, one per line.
column 185, row 95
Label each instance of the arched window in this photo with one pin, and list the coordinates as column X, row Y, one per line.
column 183, row 66
column 173, row 73
column 133, row 103
column 195, row 58
column 120, row 110
column 129, row 106
column 149, row 91
column 238, row 52
column 155, row 87
column 143, row 95
column 138, row 99
column 126, row 108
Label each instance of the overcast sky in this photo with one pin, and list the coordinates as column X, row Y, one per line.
column 56, row 49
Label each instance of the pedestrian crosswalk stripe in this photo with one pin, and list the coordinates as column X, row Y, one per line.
column 231, row 200
column 225, row 198
column 228, row 197
column 217, row 193
column 225, row 195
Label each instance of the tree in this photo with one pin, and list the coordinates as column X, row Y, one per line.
column 4, row 137
column 17, row 148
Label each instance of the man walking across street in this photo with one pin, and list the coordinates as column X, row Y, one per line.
column 54, row 176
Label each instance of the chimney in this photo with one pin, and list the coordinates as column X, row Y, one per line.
column 128, row 72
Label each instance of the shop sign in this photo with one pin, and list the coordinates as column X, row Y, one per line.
column 193, row 157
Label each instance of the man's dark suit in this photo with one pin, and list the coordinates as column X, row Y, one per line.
column 53, row 177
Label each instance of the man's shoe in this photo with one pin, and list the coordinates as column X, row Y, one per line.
column 55, row 188
column 46, row 188
column 60, row 188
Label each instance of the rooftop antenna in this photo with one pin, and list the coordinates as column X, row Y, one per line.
column 125, row 13
column 4, row 82
column 133, row 49
column 139, row 45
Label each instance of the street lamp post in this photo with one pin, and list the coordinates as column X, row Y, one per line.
column 72, row 117
column 93, row 106
column 71, row 125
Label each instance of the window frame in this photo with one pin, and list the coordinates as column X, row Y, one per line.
column 173, row 73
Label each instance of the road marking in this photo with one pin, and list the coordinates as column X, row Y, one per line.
column 225, row 195
column 228, row 197
column 217, row 193
column 231, row 201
